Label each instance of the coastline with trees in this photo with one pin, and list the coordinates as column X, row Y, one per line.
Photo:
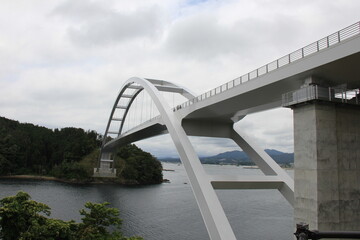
column 68, row 155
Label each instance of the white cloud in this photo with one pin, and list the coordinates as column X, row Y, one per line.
column 203, row 37
column 271, row 129
column 93, row 23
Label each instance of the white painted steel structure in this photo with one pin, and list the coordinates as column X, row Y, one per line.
column 334, row 59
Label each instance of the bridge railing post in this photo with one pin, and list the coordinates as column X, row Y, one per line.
column 317, row 46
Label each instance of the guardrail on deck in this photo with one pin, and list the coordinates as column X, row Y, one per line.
column 315, row 92
column 312, row 48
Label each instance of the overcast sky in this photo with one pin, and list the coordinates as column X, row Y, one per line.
column 63, row 61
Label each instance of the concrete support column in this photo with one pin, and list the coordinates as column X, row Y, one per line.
column 327, row 166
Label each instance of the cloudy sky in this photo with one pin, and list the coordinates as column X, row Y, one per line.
column 64, row 61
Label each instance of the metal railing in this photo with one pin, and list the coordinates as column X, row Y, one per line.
column 142, row 124
column 315, row 92
column 301, row 53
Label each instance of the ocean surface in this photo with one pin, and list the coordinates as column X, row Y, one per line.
column 169, row 210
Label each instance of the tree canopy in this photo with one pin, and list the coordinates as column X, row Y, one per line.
column 29, row 149
column 24, row 219
column 138, row 166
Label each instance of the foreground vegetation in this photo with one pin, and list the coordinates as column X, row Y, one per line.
column 68, row 153
column 24, row 219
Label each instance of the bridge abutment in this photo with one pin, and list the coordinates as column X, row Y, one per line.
column 327, row 165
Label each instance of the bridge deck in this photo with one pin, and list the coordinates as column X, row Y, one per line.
column 336, row 65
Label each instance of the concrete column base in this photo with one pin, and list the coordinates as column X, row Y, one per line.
column 327, row 166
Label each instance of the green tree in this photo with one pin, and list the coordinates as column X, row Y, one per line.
column 96, row 221
column 140, row 167
column 24, row 219
column 70, row 170
column 18, row 212
column 5, row 165
column 50, row 229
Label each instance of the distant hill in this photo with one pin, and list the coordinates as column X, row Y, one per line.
column 240, row 158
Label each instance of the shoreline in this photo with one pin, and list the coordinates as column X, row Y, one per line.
column 43, row 178
column 75, row 181
column 55, row 179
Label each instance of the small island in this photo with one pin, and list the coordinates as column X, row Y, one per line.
column 68, row 155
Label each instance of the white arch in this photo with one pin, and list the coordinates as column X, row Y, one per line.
column 161, row 85
column 213, row 214
column 203, row 185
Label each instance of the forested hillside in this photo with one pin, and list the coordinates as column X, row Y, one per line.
column 136, row 166
column 68, row 153
column 29, row 149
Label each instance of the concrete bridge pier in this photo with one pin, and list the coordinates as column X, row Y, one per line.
column 106, row 168
column 327, row 165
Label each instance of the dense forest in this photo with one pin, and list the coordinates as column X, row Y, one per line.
column 136, row 166
column 29, row 149
column 68, row 153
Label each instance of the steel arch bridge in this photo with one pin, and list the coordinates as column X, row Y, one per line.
column 173, row 122
column 326, row 70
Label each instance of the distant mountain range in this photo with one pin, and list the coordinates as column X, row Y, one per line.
column 240, row 158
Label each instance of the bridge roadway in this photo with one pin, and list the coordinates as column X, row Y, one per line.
column 337, row 65
column 214, row 113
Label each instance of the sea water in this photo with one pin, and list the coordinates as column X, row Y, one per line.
column 168, row 210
